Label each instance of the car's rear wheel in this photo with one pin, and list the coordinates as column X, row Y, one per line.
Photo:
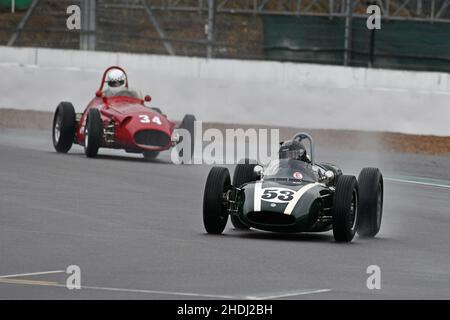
column 188, row 123
column 215, row 213
column 157, row 110
column 242, row 174
column 150, row 154
column 371, row 190
column 93, row 133
column 64, row 123
column 345, row 209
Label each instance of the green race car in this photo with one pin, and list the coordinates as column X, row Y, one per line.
column 294, row 194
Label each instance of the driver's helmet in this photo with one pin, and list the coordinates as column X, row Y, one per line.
column 116, row 81
column 293, row 150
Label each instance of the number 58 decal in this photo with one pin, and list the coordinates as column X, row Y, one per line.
column 277, row 195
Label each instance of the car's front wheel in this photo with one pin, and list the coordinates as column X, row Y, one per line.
column 215, row 213
column 93, row 133
column 150, row 155
column 371, row 190
column 243, row 173
column 157, row 110
column 188, row 123
column 345, row 209
column 64, row 123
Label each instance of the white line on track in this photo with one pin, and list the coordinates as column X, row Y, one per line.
column 286, row 294
column 9, row 280
column 31, row 274
column 173, row 293
column 419, row 183
column 30, row 282
column 185, row 294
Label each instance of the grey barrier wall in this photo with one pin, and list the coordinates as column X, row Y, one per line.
column 236, row 91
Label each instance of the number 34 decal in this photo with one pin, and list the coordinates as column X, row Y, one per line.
column 143, row 118
column 277, row 195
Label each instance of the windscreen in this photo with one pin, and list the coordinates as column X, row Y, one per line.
column 290, row 170
column 123, row 93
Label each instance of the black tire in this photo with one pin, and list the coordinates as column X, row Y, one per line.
column 63, row 130
column 93, row 133
column 371, row 190
column 150, row 154
column 215, row 215
column 345, row 209
column 157, row 110
column 242, row 174
column 188, row 123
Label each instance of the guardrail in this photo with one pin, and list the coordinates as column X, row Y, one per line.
column 237, row 91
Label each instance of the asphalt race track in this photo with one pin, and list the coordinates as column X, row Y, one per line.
column 135, row 230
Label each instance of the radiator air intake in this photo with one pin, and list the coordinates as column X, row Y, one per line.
column 152, row 138
column 271, row 218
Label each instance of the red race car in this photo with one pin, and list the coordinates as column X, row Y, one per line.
column 117, row 118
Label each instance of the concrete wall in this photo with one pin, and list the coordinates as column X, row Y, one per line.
column 236, row 91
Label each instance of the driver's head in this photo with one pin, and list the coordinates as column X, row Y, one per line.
column 293, row 150
column 116, row 80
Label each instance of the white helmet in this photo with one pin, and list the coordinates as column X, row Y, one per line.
column 116, row 80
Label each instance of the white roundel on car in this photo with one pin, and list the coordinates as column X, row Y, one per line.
column 278, row 195
column 297, row 175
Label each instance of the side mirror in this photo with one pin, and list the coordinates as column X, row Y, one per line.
column 147, row 98
column 258, row 171
column 99, row 94
column 329, row 176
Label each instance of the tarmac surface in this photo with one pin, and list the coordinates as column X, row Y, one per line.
column 135, row 230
